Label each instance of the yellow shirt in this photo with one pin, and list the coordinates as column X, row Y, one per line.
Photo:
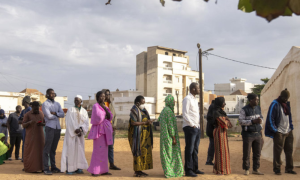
column 107, row 105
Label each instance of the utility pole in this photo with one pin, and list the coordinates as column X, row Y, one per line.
column 177, row 93
column 201, row 88
column 201, row 91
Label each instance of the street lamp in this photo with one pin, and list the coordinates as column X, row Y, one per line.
column 201, row 87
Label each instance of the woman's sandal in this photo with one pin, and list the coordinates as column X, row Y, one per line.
column 140, row 174
column 106, row 174
column 144, row 173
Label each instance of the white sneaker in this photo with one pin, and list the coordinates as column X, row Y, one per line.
column 247, row 172
column 10, row 159
column 257, row 172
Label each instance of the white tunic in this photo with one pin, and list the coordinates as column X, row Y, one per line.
column 73, row 154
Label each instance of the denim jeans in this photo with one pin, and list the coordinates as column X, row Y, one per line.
column 211, row 150
column 23, row 138
column 192, row 141
column 111, row 151
column 51, row 142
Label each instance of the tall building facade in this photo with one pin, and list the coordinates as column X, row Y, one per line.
column 161, row 71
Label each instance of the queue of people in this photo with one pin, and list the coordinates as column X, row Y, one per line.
column 40, row 146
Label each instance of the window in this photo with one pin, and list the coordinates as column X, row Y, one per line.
column 166, row 53
column 177, row 79
column 174, row 54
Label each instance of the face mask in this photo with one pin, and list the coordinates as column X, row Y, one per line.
column 142, row 106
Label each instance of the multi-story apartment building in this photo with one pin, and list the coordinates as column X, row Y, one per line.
column 161, row 71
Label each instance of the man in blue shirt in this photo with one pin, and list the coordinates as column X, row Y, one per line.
column 52, row 112
column 279, row 127
column 27, row 108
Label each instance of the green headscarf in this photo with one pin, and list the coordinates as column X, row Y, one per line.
column 169, row 102
column 168, row 111
column 2, row 135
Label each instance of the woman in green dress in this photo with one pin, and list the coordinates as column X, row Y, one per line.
column 140, row 137
column 170, row 153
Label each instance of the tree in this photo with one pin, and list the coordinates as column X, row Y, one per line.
column 259, row 87
column 268, row 9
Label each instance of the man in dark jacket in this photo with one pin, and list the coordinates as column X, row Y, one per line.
column 251, row 119
column 15, row 131
column 209, row 132
column 279, row 126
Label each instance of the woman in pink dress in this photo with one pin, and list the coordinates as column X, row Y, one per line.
column 101, row 133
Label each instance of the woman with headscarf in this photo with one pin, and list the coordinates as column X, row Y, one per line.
column 170, row 153
column 222, row 156
column 4, row 147
column 140, row 137
column 101, row 132
column 3, row 123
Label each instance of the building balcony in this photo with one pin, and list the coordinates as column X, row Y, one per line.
column 168, row 81
column 168, row 68
column 166, row 94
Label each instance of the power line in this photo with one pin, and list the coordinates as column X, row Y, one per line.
column 44, row 81
column 9, row 82
column 48, row 86
column 240, row 61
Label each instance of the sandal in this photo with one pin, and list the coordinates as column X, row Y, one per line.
column 106, row 174
column 139, row 174
column 144, row 173
column 114, row 168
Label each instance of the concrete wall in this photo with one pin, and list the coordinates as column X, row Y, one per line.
column 222, row 89
column 123, row 102
column 234, row 103
column 9, row 100
column 248, row 87
column 141, row 72
column 8, row 104
column 234, row 85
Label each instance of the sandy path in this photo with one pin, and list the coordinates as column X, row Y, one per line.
column 12, row 169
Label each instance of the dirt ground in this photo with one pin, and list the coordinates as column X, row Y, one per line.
column 123, row 158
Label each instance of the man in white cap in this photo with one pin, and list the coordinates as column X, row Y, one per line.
column 73, row 159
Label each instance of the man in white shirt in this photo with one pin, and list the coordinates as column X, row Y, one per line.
column 191, row 128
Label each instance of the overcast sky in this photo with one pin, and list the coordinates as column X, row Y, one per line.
column 82, row 46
